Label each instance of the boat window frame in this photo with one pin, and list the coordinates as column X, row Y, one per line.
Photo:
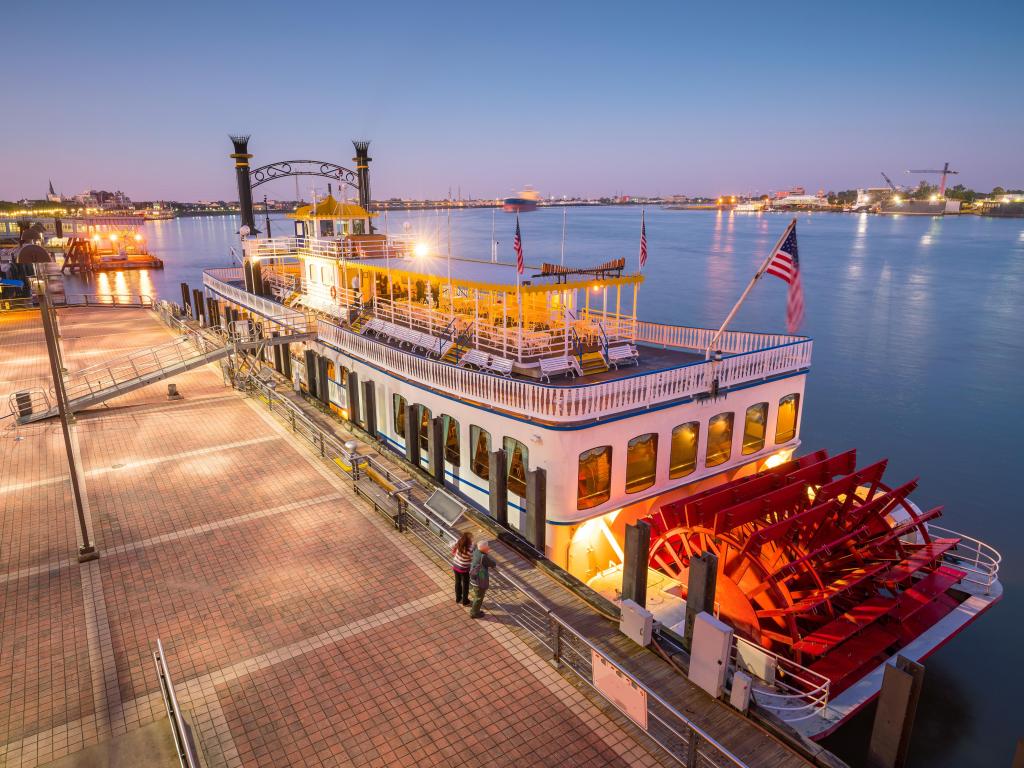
column 753, row 448
column 795, row 397
column 509, row 444
column 673, row 475
column 630, row 446
column 730, row 417
column 474, row 437
column 448, row 421
column 602, row 495
column 398, row 414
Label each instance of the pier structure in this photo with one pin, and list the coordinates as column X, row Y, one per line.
column 248, row 579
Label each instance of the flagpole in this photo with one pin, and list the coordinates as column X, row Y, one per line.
column 643, row 233
column 750, row 285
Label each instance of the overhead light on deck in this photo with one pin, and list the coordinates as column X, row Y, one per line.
column 420, row 250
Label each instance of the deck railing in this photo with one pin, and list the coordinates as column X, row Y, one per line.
column 570, row 403
column 328, row 248
column 698, row 339
column 547, row 402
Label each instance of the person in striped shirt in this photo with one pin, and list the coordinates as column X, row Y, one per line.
column 462, row 556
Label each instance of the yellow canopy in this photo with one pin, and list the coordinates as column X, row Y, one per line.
column 330, row 208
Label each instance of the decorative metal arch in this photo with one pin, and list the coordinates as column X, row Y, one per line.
column 285, row 168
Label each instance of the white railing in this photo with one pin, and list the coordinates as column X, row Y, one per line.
column 243, row 298
column 698, row 339
column 328, row 248
column 793, row 693
column 980, row 560
column 572, row 403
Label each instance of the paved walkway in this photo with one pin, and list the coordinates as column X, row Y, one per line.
column 299, row 628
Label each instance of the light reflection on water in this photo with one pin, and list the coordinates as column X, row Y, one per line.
column 918, row 357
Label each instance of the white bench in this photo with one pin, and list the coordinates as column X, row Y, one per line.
column 500, row 366
column 475, row 358
column 552, row 366
column 623, row 353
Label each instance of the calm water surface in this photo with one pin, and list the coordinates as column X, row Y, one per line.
column 918, row 357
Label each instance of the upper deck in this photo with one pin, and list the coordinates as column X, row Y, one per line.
column 398, row 314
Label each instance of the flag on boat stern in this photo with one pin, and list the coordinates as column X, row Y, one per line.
column 643, row 239
column 518, row 245
column 785, row 265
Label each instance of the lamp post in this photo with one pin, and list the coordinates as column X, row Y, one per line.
column 86, row 551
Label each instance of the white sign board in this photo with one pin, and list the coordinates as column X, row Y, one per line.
column 619, row 689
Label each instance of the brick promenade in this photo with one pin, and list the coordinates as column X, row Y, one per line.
column 299, row 629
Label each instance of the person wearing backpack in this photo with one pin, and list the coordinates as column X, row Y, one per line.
column 480, row 576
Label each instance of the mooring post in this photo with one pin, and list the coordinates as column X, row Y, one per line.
column 497, row 480
column 536, row 507
column 186, row 299
column 634, row 566
column 894, row 715
column 197, row 299
column 700, row 597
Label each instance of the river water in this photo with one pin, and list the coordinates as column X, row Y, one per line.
column 918, row 357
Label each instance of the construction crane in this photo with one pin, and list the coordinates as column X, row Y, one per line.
column 888, row 181
column 944, row 172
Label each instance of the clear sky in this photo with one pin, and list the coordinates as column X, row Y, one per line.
column 573, row 98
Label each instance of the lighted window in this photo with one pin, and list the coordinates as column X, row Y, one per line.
column 452, row 452
column 719, row 439
column 398, row 402
column 683, row 456
column 641, row 460
column 517, row 457
column 785, row 423
column 754, row 428
column 481, row 440
column 594, row 481
column 424, row 429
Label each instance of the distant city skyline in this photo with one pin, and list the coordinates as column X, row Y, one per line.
column 573, row 99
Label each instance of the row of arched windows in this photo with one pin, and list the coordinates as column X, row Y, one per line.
column 517, row 455
column 595, row 464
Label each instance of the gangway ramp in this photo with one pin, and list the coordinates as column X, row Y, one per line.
column 104, row 381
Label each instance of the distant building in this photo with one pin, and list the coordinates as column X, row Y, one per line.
column 100, row 198
column 52, row 196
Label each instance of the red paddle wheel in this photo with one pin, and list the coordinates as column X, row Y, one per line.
column 817, row 560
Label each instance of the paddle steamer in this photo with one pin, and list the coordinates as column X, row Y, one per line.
column 548, row 402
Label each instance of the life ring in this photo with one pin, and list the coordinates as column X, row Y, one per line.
column 334, row 292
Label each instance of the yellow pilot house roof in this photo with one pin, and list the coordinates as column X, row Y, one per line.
column 330, row 208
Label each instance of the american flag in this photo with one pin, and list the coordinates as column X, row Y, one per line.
column 785, row 265
column 643, row 239
column 518, row 245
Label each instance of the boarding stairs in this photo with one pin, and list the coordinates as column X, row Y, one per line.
column 104, row 381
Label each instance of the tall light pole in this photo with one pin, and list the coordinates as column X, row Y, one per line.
column 86, row 551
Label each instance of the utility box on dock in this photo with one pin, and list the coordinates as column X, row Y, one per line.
column 709, row 656
column 637, row 623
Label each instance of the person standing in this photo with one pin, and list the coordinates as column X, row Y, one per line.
column 462, row 558
column 480, row 576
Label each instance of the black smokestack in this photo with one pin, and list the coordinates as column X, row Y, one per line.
column 241, row 157
column 362, row 161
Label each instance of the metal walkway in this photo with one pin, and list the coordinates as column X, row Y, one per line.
column 109, row 379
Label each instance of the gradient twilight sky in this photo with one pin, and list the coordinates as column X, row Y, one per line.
column 573, row 98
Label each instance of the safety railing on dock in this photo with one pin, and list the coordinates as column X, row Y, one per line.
column 82, row 300
column 670, row 729
column 180, row 732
